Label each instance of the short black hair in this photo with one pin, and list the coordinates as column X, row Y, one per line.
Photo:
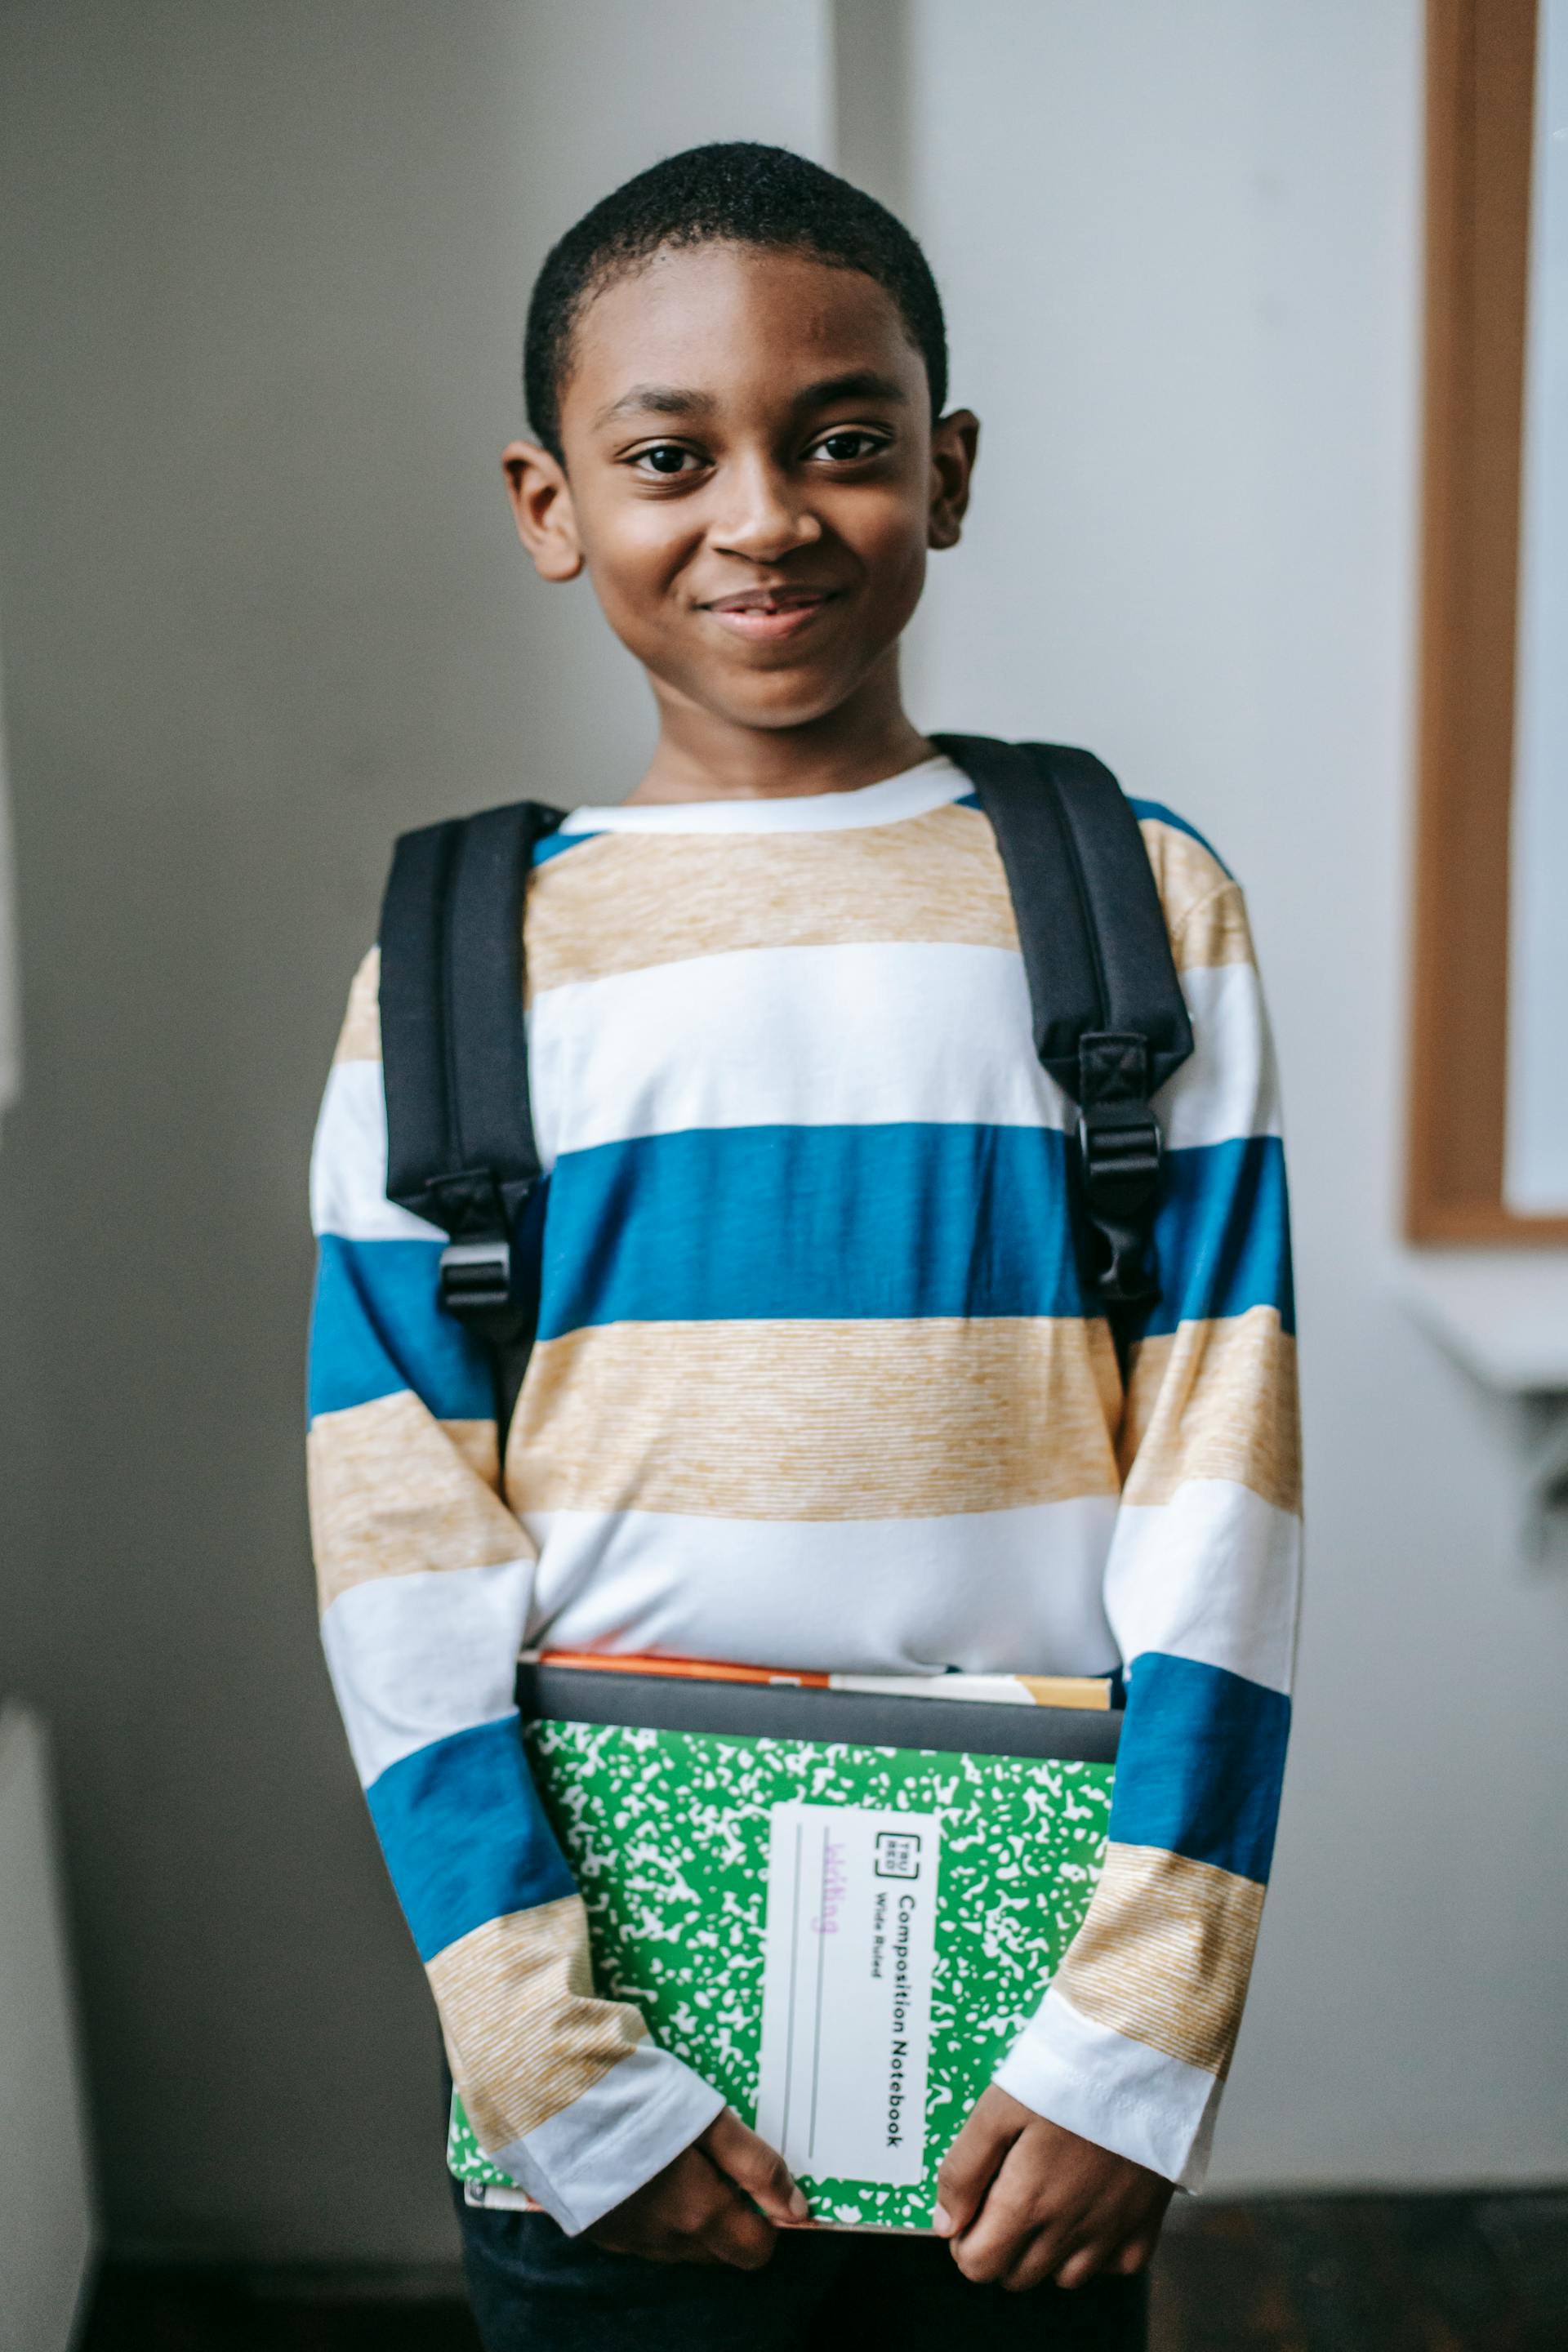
column 735, row 192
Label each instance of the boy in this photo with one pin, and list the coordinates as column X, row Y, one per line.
column 794, row 1400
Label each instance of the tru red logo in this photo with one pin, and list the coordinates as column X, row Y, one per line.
column 899, row 1854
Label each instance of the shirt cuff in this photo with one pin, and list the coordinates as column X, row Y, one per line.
column 1156, row 2111
column 591, row 2155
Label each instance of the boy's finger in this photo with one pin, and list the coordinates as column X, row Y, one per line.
column 740, row 2236
column 754, row 2167
column 994, row 2245
column 665, row 2221
column 969, row 2168
column 1010, row 2219
column 1018, row 2219
column 697, row 2207
column 1041, row 2256
column 730, row 2230
column 1134, row 2255
column 1081, row 2266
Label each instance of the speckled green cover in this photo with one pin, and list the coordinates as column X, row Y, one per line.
column 667, row 1834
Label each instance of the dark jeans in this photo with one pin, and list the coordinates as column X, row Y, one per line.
column 535, row 2290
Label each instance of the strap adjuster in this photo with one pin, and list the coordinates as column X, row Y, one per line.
column 1120, row 1154
column 1121, row 1148
column 475, row 1278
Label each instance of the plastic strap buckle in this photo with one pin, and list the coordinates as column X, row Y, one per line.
column 1120, row 1148
column 1120, row 1151
column 475, row 1278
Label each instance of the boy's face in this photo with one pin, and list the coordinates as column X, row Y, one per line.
column 752, row 478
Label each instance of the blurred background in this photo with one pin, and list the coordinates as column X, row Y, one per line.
column 263, row 265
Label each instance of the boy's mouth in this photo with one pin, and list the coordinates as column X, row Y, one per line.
column 764, row 616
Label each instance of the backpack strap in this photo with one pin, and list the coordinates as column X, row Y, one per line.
column 460, row 1145
column 1110, row 1024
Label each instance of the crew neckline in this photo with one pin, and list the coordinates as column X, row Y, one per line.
column 913, row 792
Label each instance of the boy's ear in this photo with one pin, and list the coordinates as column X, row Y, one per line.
column 954, row 438
column 541, row 502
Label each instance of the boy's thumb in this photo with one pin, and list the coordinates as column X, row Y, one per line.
column 754, row 2167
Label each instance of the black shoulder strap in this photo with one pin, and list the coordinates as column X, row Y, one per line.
column 1111, row 1024
column 460, row 1145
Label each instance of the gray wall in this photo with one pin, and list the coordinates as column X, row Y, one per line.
column 261, row 268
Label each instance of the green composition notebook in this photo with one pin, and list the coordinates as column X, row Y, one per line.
column 840, row 1909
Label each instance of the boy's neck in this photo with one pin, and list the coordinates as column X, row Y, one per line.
column 702, row 756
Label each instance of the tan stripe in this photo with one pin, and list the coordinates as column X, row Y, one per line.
column 813, row 1421
column 476, row 1441
column 1214, row 1399
column 1216, row 933
column 359, row 1040
column 621, row 902
column 1185, row 873
column 624, row 901
column 524, row 2033
column 391, row 1494
column 1164, row 1954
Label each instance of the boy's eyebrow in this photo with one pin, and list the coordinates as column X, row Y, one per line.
column 672, row 400
column 656, row 400
column 857, row 383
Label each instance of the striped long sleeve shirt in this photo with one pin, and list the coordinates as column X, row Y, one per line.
column 817, row 1385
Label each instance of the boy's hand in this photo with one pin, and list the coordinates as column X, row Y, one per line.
column 697, row 2209
column 1022, row 2200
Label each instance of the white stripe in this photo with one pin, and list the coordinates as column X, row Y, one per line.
column 415, row 1658
column 348, row 1163
column 1212, row 1575
column 862, row 1035
column 1230, row 1087
column 820, row 1036
column 989, row 1592
column 633, row 2122
column 1155, row 2110
column 931, row 785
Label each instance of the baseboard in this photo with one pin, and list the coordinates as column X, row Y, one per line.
column 304, row 2283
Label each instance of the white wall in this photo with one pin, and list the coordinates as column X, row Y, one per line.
column 1180, row 252
column 1535, row 1167
column 262, row 270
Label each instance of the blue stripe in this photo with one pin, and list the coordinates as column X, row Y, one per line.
column 733, row 1224
column 465, row 1836
column 1157, row 810
column 1200, row 1765
column 377, row 1328
column 737, row 1223
column 1222, row 1236
column 554, row 842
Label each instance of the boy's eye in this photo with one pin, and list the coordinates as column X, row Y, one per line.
column 665, row 458
column 845, row 448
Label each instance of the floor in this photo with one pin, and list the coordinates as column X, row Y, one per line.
column 1431, row 2274
column 138, row 2310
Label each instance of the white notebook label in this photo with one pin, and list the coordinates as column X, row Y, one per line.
column 847, row 1959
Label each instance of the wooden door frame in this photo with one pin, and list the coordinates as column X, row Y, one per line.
column 1480, row 102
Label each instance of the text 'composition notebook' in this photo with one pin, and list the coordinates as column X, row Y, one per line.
column 840, row 1906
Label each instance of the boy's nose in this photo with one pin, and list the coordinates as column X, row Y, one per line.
column 765, row 517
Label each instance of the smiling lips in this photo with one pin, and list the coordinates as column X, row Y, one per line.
column 765, row 615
